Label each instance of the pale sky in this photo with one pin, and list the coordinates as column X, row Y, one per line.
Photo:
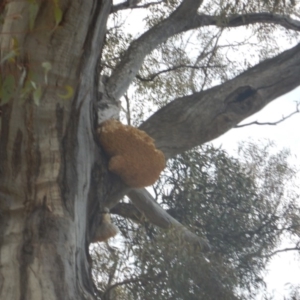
column 285, row 267
column 285, row 134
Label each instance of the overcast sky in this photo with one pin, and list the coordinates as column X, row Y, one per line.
column 285, row 267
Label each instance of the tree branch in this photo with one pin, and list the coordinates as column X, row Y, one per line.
column 144, row 202
column 270, row 123
column 136, row 53
column 184, row 18
column 132, row 4
column 198, row 118
column 248, row 19
column 151, row 77
column 145, row 206
column 195, row 119
column 282, row 250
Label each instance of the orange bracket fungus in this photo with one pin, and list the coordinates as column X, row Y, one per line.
column 132, row 153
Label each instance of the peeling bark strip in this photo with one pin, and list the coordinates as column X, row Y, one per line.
column 16, row 156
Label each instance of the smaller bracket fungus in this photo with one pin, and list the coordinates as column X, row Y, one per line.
column 106, row 229
column 132, row 153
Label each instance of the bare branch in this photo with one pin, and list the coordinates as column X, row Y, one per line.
column 212, row 54
column 244, row 20
column 297, row 248
column 264, row 18
column 125, row 72
column 198, row 118
column 146, row 207
column 127, row 111
column 184, row 18
column 174, row 68
column 132, row 4
column 270, row 123
column 144, row 202
column 195, row 119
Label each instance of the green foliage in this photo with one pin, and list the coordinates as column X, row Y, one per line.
column 27, row 87
column 14, row 51
column 47, row 67
column 69, row 92
column 176, row 271
column 7, row 88
column 117, row 41
column 241, row 205
column 31, row 87
column 244, row 206
column 37, row 93
column 57, row 12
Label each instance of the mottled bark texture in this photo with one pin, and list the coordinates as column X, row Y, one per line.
column 47, row 151
column 53, row 175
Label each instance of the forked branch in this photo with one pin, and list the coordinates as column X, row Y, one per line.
column 184, row 18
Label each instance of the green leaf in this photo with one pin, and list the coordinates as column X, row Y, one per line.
column 37, row 95
column 15, row 51
column 47, row 66
column 33, row 10
column 57, row 12
column 33, row 84
column 9, row 56
column 7, row 89
column 27, row 89
column 69, row 92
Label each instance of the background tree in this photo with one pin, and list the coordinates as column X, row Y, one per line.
column 245, row 206
column 53, row 175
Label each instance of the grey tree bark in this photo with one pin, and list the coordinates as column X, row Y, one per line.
column 53, row 175
column 47, row 151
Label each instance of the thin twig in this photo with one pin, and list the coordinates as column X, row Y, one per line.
column 153, row 76
column 133, row 5
column 132, row 280
column 271, row 123
column 282, row 250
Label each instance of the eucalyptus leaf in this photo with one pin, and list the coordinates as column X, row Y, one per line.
column 8, row 89
column 37, row 95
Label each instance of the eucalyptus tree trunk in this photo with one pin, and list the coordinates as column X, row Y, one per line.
column 49, row 57
column 53, row 175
